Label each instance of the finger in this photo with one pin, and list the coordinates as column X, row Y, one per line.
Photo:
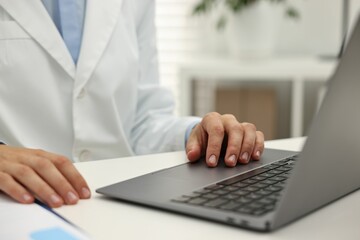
column 248, row 143
column 74, row 184
column 216, row 132
column 54, row 178
column 194, row 149
column 69, row 171
column 35, row 184
column 259, row 146
column 235, row 133
column 15, row 190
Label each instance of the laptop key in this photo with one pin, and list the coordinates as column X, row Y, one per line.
column 284, row 168
column 259, row 185
column 192, row 195
column 267, row 175
column 241, row 192
column 268, row 182
column 243, row 176
column 270, row 207
column 220, row 192
column 230, row 188
column 231, row 196
column 251, row 189
column 266, row 201
column 274, row 188
column 249, row 181
column 240, row 185
column 230, row 206
column 284, row 161
column 275, row 172
column 258, row 178
column 263, row 192
column 216, row 202
column 198, row 201
column 202, row 191
column 243, row 200
column 213, row 187
column 256, row 205
column 278, row 178
column 210, row 196
column 260, row 212
column 246, row 210
column 270, row 166
column 254, row 196
column 182, row 199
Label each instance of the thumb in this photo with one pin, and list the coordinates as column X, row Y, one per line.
column 193, row 146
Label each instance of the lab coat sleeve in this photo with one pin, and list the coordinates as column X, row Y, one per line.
column 155, row 128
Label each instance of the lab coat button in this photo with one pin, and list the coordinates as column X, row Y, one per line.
column 84, row 156
column 82, row 93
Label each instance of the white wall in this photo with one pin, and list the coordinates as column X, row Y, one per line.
column 319, row 31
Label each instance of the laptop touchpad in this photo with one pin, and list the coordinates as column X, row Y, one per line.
column 199, row 173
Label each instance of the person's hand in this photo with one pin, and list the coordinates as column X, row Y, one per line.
column 26, row 174
column 240, row 141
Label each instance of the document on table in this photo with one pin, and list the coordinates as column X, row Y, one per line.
column 34, row 222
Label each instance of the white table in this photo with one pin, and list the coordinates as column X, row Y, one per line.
column 106, row 219
column 297, row 70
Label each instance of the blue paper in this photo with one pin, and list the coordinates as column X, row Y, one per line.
column 53, row 234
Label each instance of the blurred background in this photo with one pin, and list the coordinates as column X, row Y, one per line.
column 274, row 77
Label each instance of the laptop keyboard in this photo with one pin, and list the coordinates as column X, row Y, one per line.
column 253, row 193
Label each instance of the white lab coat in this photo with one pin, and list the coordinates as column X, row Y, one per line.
column 109, row 105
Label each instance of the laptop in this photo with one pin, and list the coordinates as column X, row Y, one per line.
column 283, row 186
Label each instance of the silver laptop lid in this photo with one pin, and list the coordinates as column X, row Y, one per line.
column 333, row 141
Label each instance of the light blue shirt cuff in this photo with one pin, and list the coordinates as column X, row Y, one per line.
column 189, row 129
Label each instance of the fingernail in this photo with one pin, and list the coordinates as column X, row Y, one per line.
column 27, row 198
column 212, row 160
column 232, row 160
column 55, row 199
column 85, row 192
column 189, row 151
column 245, row 157
column 257, row 154
column 72, row 198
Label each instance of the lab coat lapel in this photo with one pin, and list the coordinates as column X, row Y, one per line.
column 32, row 16
column 101, row 18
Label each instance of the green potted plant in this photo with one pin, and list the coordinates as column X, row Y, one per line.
column 251, row 25
column 236, row 7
